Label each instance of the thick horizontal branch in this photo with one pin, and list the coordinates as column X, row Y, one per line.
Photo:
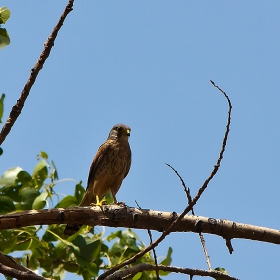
column 124, row 216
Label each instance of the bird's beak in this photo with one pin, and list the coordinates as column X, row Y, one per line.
column 128, row 132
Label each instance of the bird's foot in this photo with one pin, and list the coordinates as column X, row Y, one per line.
column 99, row 202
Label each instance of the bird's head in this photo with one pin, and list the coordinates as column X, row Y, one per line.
column 119, row 132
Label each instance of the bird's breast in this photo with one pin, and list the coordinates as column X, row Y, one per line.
column 118, row 160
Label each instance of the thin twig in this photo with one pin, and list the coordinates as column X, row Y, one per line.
column 151, row 241
column 202, row 240
column 17, row 108
column 229, row 246
column 188, row 193
column 131, row 271
column 187, row 209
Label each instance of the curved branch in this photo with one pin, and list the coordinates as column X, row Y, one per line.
column 187, row 209
column 131, row 271
column 16, row 110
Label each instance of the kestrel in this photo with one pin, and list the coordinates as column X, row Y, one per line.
column 109, row 167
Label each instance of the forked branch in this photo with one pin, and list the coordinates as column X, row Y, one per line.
column 188, row 208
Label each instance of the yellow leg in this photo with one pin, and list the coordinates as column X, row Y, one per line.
column 99, row 202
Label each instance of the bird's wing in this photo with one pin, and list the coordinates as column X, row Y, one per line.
column 128, row 163
column 102, row 151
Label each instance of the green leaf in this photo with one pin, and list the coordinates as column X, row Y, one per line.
column 9, row 177
column 27, row 244
column 222, row 270
column 43, row 155
column 4, row 14
column 137, row 276
column 33, row 263
column 67, row 201
column 13, row 193
column 50, row 232
column 4, row 38
column 71, row 267
column 116, row 248
column 6, row 205
column 28, row 197
column 55, row 174
column 24, row 179
column 166, row 261
column 91, row 250
column 2, row 106
column 114, row 235
column 92, row 269
column 40, row 201
column 86, row 275
column 109, row 198
column 40, row 173
column 145, row 275
column 8, row 239
column 79, row 192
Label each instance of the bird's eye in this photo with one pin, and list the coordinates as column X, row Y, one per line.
column 119, row 128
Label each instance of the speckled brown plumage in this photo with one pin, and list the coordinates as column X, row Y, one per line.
column 109, row 167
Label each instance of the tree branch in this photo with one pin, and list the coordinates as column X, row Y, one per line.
column 16, row 110
column 18, row 274
column 151, row 241
column 128, row 217
column 188, row 208
column 131, row 271
column 188, row 193
column 10, row 262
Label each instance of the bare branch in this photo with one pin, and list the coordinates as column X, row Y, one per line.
column 18, row 274
column 151, row 241
column 128, row 217
column 187, row 209
column 229, row 246
column 10, row 262
column 16, row 110
column 131, row 271
column 188, row 193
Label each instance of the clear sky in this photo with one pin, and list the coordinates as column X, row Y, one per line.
column 148, row 64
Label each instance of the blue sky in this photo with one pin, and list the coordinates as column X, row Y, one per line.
column 148, row 64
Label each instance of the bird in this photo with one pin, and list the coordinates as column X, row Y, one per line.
column 109, row 167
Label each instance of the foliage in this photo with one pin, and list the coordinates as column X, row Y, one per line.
column 2, row 106
column 4, row 36
column 4, row 14
column 222, row 270
column 85, row 253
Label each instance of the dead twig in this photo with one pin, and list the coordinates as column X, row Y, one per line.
column 17, row 108
column 151, row 241
column 131, row 271
column 188, row 193
column 187, row 209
